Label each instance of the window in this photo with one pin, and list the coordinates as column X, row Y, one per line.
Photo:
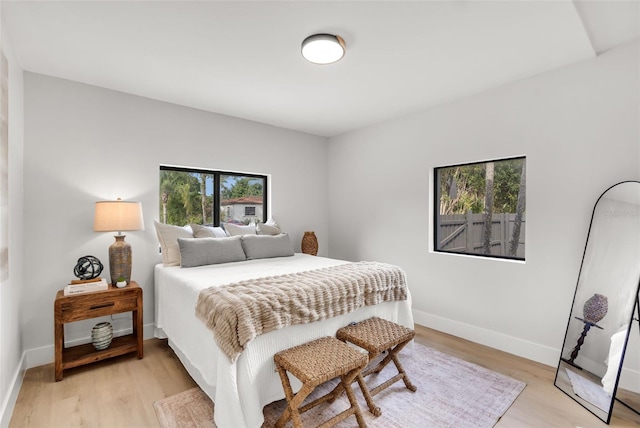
column 211, row 197
column 480, row 208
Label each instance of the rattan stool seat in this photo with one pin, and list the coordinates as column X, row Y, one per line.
column 378, row 335
column 314, row 363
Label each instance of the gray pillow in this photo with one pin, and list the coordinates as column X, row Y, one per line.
column 210, row 251
column 266, row 246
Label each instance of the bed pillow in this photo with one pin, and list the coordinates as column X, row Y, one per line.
column 266, row 246
column 210, row 251
column 200, row 231
column 168, row 235
column 237, row 230
column 267, row 229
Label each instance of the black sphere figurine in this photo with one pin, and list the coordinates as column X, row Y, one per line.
column 88, row 267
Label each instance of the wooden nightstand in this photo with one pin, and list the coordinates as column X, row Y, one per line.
column 91, row 305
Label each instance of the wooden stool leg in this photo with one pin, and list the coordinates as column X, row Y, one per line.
column 375, row 410
column 396, row 361
column 293, row 401
column 346, row 383
column 405, row 378
column 295, row 404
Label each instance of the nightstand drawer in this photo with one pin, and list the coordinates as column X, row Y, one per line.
column 91, row 305
column 96, row 305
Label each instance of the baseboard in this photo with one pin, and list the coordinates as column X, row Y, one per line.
column 629, row 379
column 44, row 355
column 513, row 345
column 10, row 401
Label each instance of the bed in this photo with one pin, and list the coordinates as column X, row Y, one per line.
column 241, row 388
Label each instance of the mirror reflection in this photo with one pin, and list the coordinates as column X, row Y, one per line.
column 604, row 302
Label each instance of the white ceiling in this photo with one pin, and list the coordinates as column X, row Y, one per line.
column 243, row 59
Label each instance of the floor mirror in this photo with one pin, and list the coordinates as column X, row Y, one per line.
column 605, row 302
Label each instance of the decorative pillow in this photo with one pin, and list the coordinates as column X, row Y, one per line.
column 266, row 229
column 266, row 246
column 272, row 222
column 200, row 231
column 210, row 251
column 168, row 235
column 236, row 229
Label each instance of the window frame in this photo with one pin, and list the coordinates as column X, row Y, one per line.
column 436, row 229
column 216, row 187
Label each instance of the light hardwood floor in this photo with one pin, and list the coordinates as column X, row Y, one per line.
column 120, row 392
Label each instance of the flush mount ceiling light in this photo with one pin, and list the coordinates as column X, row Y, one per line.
column 323, row 48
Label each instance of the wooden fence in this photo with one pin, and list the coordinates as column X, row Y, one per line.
column 463, row 233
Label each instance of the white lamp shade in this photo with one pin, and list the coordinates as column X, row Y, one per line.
column 118, row 216
column 323, row 48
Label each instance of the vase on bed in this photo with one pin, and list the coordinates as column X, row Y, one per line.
column 310, row 243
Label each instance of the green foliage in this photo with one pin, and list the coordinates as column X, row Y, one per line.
column 244, row 186
column 462, row 188
column 180, row 192
column 506, row 185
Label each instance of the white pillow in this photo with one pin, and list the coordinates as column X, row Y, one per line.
column 616, row 350
column 265, row 229
column 168, row 235
column 235, row 229
column 200, row 231
column 272, row 222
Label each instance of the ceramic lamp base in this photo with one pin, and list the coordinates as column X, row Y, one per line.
column 120, row 260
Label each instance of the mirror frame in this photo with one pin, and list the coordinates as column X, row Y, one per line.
column 631, row 317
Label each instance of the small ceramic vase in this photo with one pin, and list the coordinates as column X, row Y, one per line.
column 102, row 335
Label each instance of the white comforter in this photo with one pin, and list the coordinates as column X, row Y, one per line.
column 240, row 390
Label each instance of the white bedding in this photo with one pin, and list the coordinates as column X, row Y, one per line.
column 240, row 390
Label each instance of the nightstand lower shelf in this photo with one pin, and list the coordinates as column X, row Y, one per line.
column 80, row 355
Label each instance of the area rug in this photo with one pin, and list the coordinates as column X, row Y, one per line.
column 451, row 393
column 589, row 391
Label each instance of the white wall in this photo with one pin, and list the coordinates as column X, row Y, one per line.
column 578, row 127
column 84, row 144
column 11, row 290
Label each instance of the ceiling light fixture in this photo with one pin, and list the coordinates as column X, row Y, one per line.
column 323, row 48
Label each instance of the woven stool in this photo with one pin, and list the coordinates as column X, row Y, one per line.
column 314, row 363
column 378, row 335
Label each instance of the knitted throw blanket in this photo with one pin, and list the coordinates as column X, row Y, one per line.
column 238, row 312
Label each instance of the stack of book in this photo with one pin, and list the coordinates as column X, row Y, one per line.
column 85, row 286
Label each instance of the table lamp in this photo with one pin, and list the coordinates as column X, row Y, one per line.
column 118, row 216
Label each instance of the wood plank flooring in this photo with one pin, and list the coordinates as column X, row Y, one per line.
column 120, row 392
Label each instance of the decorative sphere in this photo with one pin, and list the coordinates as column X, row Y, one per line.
column 88, row 267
